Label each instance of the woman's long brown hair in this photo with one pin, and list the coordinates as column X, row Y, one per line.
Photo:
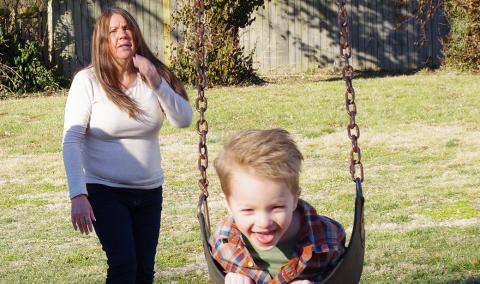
column 106, row 71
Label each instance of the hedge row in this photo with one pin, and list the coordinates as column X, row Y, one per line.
column 462, row 48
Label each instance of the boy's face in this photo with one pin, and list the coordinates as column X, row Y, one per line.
column 261, row 208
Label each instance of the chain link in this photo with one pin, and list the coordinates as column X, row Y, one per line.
column 201, row 103
column 353, row 130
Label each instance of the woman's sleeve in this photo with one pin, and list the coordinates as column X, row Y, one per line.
column 176, row 108
column 77, row 116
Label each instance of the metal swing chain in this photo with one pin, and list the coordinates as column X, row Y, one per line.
column 201, row 103
column 353, row 130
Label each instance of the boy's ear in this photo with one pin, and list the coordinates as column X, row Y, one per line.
column 297, row 196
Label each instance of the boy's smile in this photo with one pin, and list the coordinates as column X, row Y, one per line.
column 263, row 209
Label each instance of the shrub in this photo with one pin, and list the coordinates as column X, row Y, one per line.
column 462, row 45
column 462, row 48
column 22, row 69
column 227, row 63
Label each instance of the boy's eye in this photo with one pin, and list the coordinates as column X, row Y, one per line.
column 246, row 210
column 279, row 207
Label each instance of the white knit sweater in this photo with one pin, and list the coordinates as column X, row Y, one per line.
column 102, row 144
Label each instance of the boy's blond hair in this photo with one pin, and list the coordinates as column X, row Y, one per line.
column 271, row 154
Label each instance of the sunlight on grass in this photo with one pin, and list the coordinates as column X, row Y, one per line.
column 420, row 148
column 461, row 209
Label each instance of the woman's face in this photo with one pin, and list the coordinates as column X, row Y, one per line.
column 122, row 47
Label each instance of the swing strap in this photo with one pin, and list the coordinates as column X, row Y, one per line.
column 347, row 270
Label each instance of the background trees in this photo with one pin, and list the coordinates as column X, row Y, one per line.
column 226, row 60
column 23, row 62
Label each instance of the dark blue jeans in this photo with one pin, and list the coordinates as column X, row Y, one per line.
column 128, row 226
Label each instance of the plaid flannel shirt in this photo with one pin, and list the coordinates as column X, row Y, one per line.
column 320, row 245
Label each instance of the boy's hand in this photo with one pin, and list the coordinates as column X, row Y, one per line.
column 237, row 278
column 301, row 282
column 148, row 70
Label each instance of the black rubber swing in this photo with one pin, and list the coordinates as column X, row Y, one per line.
column 349, row 268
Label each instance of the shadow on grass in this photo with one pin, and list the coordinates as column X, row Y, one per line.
column 377, row 74
column 333, row 76
column 51, row 93
column 469, row 280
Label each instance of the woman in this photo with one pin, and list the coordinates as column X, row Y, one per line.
column 113, row 115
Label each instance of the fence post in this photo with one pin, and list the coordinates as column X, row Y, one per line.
column 167, row 40
column 50, row 31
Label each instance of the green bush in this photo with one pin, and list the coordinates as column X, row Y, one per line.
column 227, row 62
column 22, row 69
column 462, row 45
column 462, row 48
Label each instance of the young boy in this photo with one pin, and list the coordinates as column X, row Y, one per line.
column 272, row 235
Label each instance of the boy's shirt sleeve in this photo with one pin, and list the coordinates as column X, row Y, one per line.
column 328, row 239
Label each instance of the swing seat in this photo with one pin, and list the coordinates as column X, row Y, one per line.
column 348, row 269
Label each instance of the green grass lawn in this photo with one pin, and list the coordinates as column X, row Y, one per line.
column 420, row 140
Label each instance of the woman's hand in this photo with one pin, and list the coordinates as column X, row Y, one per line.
column 148, row 70
column 82, row 214
column 301, row 282
column 237, row 278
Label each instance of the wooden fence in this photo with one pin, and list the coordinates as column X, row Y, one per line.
column 288, row 36
column 71, row 24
